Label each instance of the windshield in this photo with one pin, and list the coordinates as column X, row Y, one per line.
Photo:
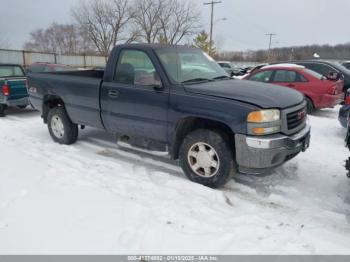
column 190, row 65
column 11, row 71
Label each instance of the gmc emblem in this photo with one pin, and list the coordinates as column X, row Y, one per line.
column 301, row 115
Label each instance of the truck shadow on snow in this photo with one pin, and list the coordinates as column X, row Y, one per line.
column 160, row 162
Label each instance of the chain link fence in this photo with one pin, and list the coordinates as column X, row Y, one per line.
column 27, row 58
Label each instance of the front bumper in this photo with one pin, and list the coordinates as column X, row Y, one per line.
column 258, row 155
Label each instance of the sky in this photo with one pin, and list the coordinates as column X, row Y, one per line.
column 296, row 22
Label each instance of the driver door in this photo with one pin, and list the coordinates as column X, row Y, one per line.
column 135, row 103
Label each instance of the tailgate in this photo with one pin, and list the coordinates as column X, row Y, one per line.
column 18, row 88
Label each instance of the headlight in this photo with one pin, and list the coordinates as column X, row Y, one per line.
column 264, row 122
column 264, row 116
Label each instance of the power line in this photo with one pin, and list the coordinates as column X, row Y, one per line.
column 212, row 3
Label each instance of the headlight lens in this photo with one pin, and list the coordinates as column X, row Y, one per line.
column 264, row 116
column 264, row 122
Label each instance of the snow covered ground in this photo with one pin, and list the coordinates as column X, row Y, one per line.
column 99, row 198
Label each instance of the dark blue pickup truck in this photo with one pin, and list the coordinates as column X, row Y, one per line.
column 178, row 99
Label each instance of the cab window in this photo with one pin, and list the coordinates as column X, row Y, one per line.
column 135, row 68
column 11, row 71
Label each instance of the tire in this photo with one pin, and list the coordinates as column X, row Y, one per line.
column 22, row 107
column 216, row 150
column 310, row 106
column 61, row 128
column 2, row 110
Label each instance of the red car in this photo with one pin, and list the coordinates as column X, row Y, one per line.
column 319, row 91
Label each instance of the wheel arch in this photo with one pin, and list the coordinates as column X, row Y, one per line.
column 189, row 124
column 49, row 102
column 312, row 101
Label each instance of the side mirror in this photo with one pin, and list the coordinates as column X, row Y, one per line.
column 157, row 83
column 149, row 80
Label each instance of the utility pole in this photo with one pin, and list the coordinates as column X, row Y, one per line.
column 271, row 35
column 212, row 3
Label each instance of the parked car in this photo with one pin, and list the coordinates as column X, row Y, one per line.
column 327, row 69
column 318, row 90
column 13, row 87
column 47, row 67
column 247, row 69
column 344, row 112
column 347, row 144
column 253, row 69
column 230, row 69
column 214, row 125
column 346, row 64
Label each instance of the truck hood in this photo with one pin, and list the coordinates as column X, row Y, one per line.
column 259, row 94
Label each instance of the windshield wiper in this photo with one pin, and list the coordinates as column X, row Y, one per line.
column 222, row 77
column 196, row 80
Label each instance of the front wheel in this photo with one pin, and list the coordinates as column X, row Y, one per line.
column 61, row 128
column 310, row 106
column 206, row 158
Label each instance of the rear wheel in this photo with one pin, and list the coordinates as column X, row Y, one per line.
column 207, row 159
column 310, row 106
column 2, row 110
column 61, row 128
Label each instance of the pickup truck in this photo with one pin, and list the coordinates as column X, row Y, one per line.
column 178, row 99
column 13, row 87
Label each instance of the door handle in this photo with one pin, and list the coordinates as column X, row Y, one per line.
column 291, row 85
column 113, row 94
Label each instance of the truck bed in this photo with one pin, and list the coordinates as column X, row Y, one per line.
column 81, row 90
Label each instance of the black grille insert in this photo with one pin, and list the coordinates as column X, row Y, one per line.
column 297, row 118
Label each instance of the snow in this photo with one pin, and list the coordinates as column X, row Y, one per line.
column 96, row 197
column 283, row 65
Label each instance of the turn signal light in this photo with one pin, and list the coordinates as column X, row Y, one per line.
column 259, row 131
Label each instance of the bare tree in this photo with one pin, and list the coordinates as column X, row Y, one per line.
column 106, row 22
column 178, row 19
column 64, row 39
column 147, row 19
column 166, row 21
